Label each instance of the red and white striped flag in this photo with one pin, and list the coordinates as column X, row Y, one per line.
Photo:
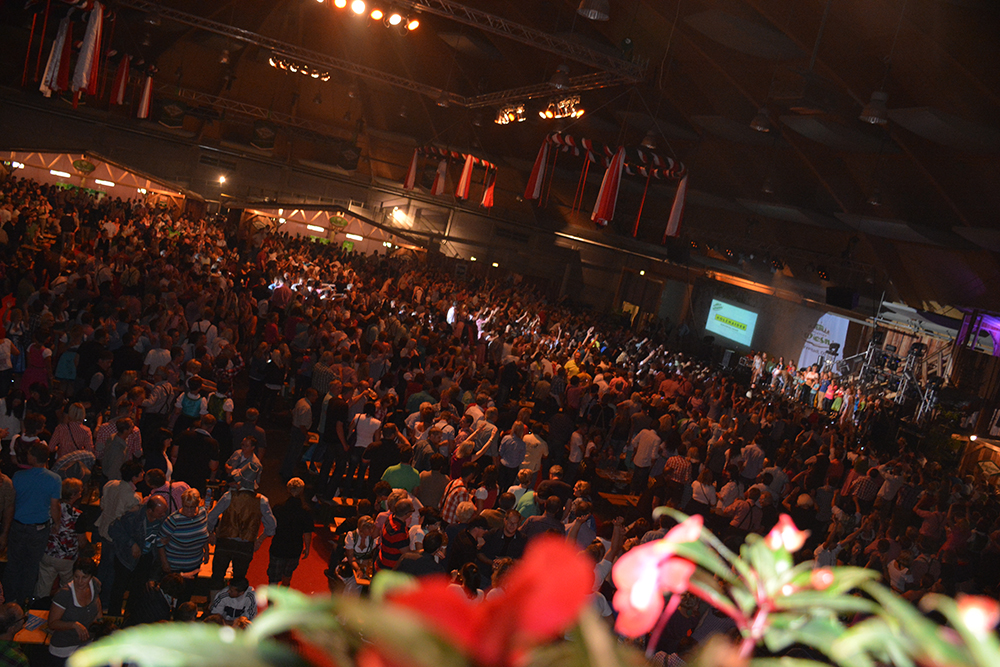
column 440, row 178
column 411, row 174
column 607, row 198
column 146, row 99
column 85, row 76
column 462, row 191
column 56, row 76
column 121, row 81
column 491, row 182
column 534, row 188
column 676, row 211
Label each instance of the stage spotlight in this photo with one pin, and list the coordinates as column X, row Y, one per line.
column 340, row 4
column 412, row 24
column 394, row 18
column 377, row 14
column 358, row 7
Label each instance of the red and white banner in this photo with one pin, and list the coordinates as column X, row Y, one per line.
column 491, row 181
column 607, row 198
column 85, row 76
column 440, row 178
column 56, row 76
column 465, row 181
column 676, row 211
column 534, row 188
column 146, row 99
column 121, row 81
column 411, row 173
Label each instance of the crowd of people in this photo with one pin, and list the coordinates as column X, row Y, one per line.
column 147, row 359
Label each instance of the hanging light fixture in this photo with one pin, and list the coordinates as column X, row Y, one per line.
column 649, row 141
column 339, row 4
column 511, row 114
column 595, row 10
column 402, row 111
column 444, row 100
column 762, row 121
column 560, row 79
column 768, row 187
column 358, row 7
column 875, row 199
column 224, row 58
column 875, row 112
column 377, row 14
column 394, row 17
column 412, row 24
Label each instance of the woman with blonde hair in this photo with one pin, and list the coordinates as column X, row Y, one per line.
column 72, row 435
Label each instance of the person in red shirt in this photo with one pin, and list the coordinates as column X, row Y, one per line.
column 395, row 538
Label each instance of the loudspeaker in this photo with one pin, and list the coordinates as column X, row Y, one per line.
column 842, row 297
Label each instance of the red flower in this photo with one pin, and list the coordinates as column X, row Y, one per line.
column 979, row 613
column 822, row 578
column 785, row 534
column 542, row 596
column 648, row 571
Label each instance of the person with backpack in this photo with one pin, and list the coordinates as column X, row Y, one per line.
column 190, row 406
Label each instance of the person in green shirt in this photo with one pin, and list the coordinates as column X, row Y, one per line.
column 403, row 475
column 527, row 506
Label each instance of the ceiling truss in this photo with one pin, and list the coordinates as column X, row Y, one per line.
column 612, row 70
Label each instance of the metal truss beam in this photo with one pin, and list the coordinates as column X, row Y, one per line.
column 320, row 60
column 250, row 111
column 628, row 71
column 577, row 84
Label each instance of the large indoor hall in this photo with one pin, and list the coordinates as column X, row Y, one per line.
column 499, row 333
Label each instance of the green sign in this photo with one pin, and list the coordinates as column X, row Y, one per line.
column 348, row 246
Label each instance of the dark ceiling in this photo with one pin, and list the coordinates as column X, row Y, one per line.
column 914, row 201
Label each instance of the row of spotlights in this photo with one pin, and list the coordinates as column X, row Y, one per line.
column 564, row 108
column 393, row 18
column 279, row 62
column 507, row 115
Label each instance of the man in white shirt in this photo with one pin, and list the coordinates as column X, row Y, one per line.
column 646, row 444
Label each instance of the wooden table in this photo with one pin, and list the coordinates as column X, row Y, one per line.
column 39, row 635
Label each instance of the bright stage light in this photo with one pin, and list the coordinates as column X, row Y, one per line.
column 358, row 7
column 60, row 174
column 355, row 237
column 377, row 14
column 107, row 183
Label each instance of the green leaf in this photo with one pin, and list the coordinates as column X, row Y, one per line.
column 921, row 638
column 763, row 561
column 984, row 648
column 705, row 587
column 784, row 662
column 807, row 601
column 184, row 645
column 700, row 554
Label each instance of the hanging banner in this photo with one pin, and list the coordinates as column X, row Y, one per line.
column 829, row 329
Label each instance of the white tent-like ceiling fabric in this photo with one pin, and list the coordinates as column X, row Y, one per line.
column 329, row 225
column 88, row 170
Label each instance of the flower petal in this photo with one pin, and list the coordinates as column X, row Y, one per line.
column 445, row 610
column 675, row 575
column 546, row 590
column 636, row 621
column 688, row 530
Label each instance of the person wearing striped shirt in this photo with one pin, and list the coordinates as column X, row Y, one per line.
column 184, row 541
